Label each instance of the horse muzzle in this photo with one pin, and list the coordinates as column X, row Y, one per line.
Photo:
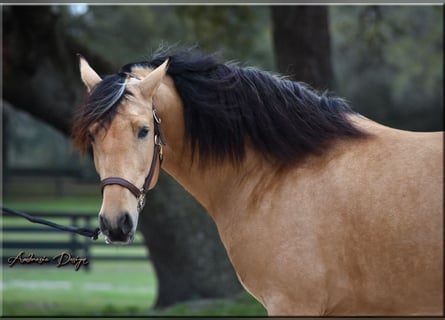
column 120, row 232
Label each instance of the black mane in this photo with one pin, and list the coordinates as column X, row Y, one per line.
column 226, row 106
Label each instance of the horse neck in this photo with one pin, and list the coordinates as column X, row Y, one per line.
column 222, row 186
column 213, row 185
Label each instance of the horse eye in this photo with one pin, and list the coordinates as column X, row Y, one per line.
column 143, row 132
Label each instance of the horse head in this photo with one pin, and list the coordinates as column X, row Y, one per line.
column 120, row 122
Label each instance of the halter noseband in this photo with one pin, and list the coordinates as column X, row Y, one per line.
column 157, row 154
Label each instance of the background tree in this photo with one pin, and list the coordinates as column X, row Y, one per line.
column 389, row 63
column 302, row 44
column 40, row 65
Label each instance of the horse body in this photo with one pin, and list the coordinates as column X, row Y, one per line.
column 354, row 230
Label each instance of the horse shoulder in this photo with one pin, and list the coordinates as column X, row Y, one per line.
column 323, row 237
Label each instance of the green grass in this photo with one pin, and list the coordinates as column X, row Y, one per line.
column 241, row 305
column 110, row 288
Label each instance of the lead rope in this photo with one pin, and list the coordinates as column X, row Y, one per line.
column 92, row 234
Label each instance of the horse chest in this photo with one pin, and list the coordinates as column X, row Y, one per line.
column 273, row 251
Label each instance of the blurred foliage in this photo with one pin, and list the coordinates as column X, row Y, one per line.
column 389, row 63
column 388, row 60
column 241, row 32
column 131, row 33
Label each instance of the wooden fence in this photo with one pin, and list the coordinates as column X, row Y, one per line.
column 22, row 235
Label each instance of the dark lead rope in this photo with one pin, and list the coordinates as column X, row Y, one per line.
column 93, row 234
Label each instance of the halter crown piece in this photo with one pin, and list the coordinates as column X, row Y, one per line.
column 141, row 193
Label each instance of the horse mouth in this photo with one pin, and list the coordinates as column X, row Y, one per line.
column 110, row 239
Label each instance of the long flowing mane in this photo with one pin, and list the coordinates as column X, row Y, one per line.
column 227, row 106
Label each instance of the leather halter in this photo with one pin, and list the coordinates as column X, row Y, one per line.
column 141, row 193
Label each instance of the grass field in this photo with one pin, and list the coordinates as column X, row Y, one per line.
column 116, row 288
column 110, row 288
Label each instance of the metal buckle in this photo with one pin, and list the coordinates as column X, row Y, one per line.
column 157, row 140
column 161, row 154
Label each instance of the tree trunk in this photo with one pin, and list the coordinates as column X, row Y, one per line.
column 40, row 66
column 302, row 44
column 41, row 76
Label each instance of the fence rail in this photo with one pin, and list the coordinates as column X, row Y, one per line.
column 57, row 182
column 47, row 241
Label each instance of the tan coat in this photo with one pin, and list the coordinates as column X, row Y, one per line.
column 357, row 230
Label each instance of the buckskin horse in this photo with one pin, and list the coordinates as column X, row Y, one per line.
column 321, row 210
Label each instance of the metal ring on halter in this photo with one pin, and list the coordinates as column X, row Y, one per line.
column 156, row 118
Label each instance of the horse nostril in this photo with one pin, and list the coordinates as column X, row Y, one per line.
column 125, row 223
column 104, row 225
column 118, row 231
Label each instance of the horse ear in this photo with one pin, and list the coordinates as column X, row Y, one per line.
column 89, row 77
column 151, row 82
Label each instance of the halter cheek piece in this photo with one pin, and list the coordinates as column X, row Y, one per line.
column 141, row 193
